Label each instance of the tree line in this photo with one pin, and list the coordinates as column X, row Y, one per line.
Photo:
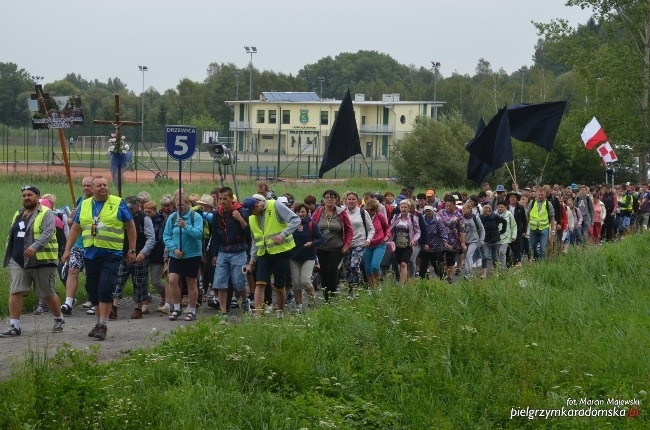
column 601, row 68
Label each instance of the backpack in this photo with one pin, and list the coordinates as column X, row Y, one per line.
column 362, row 211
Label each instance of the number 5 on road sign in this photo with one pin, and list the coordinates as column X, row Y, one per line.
column 180, row 141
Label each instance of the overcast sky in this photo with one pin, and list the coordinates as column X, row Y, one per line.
column 179, row 39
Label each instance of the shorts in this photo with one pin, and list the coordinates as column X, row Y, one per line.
column 229, row 267
column 188, row 267
column 43, row 279
column 76, row 258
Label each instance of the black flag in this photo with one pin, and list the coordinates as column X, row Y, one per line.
column 493, row 145
column 477, row 170
column 536, row 123
column 343, row 141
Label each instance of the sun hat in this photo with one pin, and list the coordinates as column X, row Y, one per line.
column 206, row 199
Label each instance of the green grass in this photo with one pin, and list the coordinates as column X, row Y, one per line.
column 430, row 355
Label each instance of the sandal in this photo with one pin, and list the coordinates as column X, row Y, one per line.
column 190, row 316
column 174, row 315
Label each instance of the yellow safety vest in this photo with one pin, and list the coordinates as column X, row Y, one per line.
column 111, row 233
column 51, row 250
column 626, row 203
column 539, row 220
column 272, row 227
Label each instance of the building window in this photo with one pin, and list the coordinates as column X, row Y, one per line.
column 260, row 117
column 363, row 120
column 273, row 116
column 286, row 117
column 323, row 117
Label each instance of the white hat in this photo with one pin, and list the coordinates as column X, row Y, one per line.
column 429, row 208
column 206, row 199
column 283, row 200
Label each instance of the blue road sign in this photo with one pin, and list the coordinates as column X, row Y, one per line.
column 181, row 141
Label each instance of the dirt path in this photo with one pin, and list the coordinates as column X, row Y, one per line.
column 124, row 334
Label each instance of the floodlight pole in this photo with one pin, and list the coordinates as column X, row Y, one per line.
column 142, row 69
column 436, row 67
column 321, row 79
column 250, row 50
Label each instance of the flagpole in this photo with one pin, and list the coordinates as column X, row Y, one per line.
column 541, row 174
column 366, row 163
column 508, row 167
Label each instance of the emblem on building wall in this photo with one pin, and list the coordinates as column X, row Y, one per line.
column 304, row 116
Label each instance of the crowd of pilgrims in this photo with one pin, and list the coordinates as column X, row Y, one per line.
column 349, row 242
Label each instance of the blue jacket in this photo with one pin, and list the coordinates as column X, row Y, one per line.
column 304, row 234
column 192, row 235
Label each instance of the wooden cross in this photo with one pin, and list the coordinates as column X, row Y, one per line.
column 117, row 124
column 40, row 96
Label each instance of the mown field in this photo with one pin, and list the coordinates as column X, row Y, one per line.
column 430, row 355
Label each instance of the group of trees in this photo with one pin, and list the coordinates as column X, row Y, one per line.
column 601, row 68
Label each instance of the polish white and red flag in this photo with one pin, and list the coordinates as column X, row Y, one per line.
column 593, row 134
column 607, row 153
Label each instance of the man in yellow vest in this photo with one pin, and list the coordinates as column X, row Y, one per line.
column 272, row 226
column 541, row 220
column 31, row 255
column 101, row 221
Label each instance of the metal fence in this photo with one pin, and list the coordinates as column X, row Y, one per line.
column 87, row 148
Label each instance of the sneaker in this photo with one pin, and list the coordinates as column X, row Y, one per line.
column 137, row 314
column 58, row 325
column 100, row 334
column 87, row 305
column 246, row 306
column 66, row 309
column 234, row 304
column 449, row 280
column 299, row 308
column 113, row 314
column 40, row 310
column 165, row 309
column 279, row 314
column 12, row 332
column 457, row 272
column 91, row 311
column 145, row 309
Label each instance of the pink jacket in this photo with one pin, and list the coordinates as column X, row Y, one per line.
column 381, row 229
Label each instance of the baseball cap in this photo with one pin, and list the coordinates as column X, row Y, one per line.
column 250, row 203
column 431, row 193
column 500, row 189
column 429, row 208
column 283, row 200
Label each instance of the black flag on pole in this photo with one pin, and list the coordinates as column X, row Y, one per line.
column 537, row 123
column 343, row 141
column 477, row 170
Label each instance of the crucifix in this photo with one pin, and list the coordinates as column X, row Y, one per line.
column 40, row 96
column 117, row 124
